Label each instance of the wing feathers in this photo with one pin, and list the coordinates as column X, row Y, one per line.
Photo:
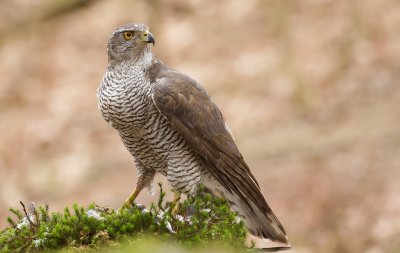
column 190, row 110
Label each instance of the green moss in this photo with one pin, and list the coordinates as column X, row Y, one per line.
column 198, row 221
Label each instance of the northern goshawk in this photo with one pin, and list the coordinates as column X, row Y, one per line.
column 170, row 125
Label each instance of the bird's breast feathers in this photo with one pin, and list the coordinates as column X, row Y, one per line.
column 123, row 104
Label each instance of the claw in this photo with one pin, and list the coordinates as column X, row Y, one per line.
column 131, row 199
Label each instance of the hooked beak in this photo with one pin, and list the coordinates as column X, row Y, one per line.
column 147, row 37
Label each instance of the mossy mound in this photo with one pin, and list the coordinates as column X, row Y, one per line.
column 198, row 221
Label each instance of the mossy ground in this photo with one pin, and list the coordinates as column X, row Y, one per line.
column 200, row 222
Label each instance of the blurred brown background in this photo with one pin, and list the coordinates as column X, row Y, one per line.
column 309, row 88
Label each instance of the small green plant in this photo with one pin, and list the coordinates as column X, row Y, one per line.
column 197, row 221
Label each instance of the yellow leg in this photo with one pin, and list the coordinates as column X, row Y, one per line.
column 129, row 201
column 177, row 197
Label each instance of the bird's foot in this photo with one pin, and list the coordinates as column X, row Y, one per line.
column 130, row 201
column 176, row 208
column 175, row 203
column 126, row 205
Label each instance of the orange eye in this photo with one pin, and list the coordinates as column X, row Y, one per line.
column 128, row 35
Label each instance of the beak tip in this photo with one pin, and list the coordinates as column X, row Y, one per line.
column 149, row 38
column 152, row 41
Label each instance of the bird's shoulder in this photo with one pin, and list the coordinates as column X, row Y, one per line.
column 164, row 78
column 176, row 94
column 172, row 89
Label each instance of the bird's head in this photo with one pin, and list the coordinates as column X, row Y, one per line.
column 129, row 43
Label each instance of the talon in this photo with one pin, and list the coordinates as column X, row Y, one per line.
column 126, row 205
column 131, row 199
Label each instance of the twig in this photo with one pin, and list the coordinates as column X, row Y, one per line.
column 102, row 209
column 26, row 214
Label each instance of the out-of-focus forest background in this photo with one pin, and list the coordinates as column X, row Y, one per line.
column 309, row 88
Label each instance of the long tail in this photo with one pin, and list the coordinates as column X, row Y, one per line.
column 261, row 223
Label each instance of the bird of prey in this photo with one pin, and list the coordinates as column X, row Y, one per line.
column 171, row 126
